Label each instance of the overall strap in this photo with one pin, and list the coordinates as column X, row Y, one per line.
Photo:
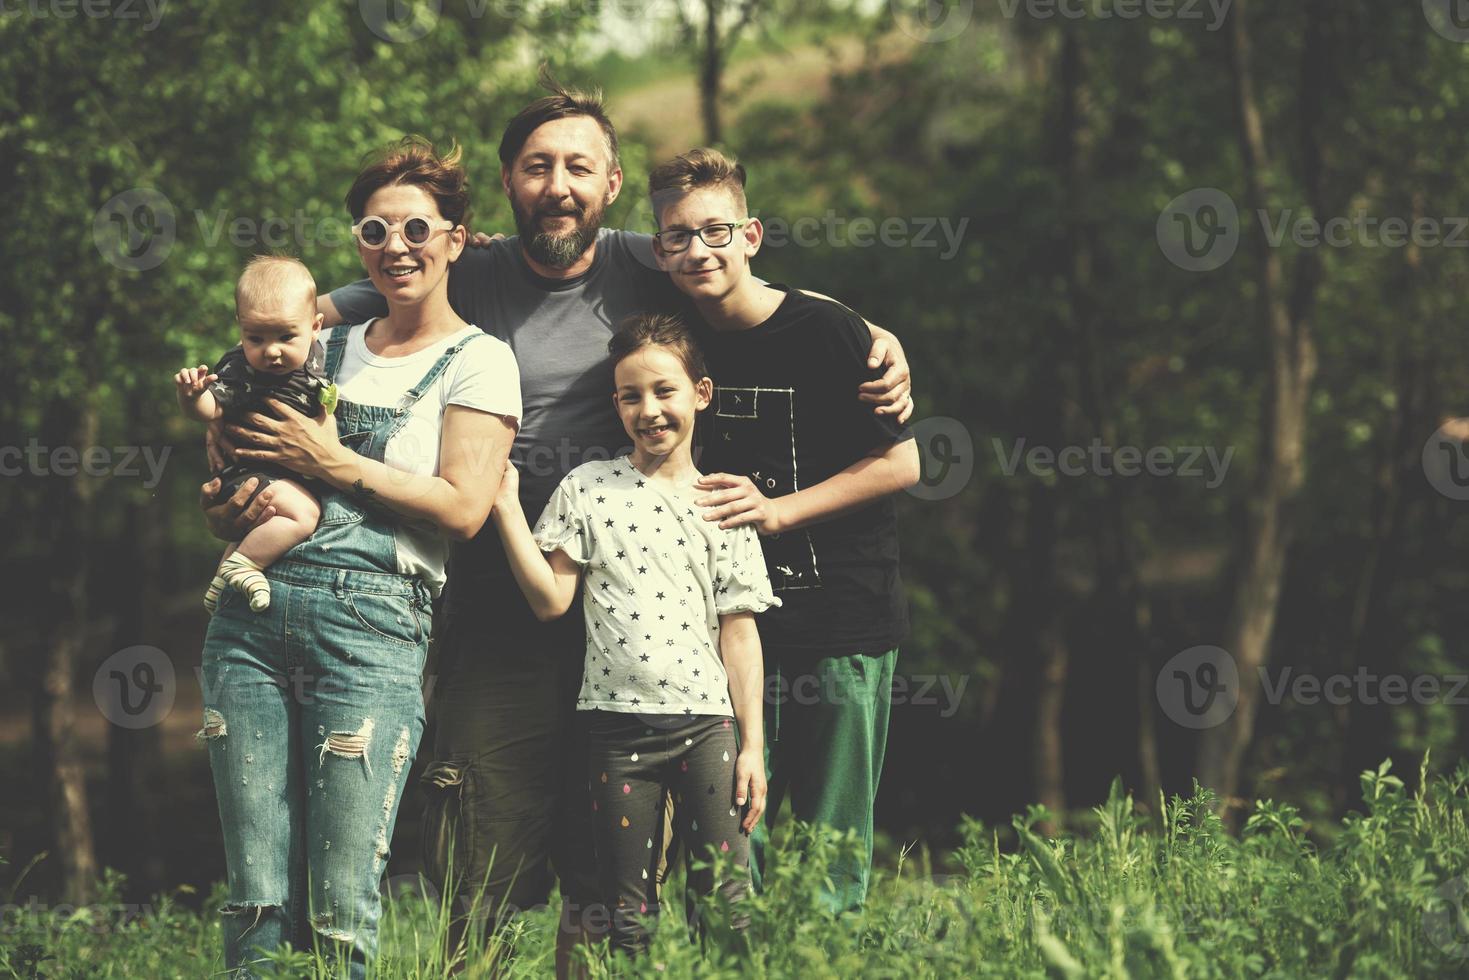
column 334, row 349
column 413, row 394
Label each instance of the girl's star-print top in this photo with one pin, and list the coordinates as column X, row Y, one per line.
column 656, row 578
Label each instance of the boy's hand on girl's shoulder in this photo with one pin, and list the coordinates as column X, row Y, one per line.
column 750, row 785
column 1455, row 428
column 481, row 240
column 735, row 501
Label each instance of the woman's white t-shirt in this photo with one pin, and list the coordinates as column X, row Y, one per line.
column 482, row 376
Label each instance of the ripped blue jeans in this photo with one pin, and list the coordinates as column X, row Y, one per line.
column 312, row 714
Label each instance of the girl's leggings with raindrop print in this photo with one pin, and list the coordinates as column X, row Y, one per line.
column 636, row 762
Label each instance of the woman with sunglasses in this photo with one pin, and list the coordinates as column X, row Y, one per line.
column 313, row 708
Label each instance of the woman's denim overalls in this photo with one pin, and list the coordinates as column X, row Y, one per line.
column 312, row 714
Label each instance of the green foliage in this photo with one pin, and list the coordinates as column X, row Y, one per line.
column 1177, row 897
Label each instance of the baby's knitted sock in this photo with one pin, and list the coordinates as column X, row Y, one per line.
column 244, row 575
column 211, row 595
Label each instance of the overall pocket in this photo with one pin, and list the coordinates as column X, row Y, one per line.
column 392, row 617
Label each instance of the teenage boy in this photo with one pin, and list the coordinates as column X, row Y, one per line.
column 791, row 450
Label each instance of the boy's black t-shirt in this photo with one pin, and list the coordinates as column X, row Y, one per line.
column 786, row 414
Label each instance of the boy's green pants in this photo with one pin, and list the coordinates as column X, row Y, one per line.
column 826, row 729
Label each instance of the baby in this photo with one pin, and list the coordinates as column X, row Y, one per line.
column 278, row 358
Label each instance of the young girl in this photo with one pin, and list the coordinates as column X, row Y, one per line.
column 672, row 650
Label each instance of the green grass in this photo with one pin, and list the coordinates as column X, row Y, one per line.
column 1169, row 895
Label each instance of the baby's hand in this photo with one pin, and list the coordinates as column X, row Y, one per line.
column 193, row 382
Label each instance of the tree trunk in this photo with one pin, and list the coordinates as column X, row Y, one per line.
column 1291, row 358
column 1367, row 727
column 57, row 754
column 1120, row 601
column 127, row 838
column 1052, row 656
column 711, row 73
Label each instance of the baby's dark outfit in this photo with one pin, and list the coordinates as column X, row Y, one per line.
column 240, row 390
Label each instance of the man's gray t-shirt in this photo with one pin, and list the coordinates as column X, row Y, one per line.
column 558, row 330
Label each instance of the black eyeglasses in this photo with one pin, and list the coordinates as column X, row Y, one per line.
column 715, row 236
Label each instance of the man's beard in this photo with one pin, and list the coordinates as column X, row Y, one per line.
column 557, row 251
